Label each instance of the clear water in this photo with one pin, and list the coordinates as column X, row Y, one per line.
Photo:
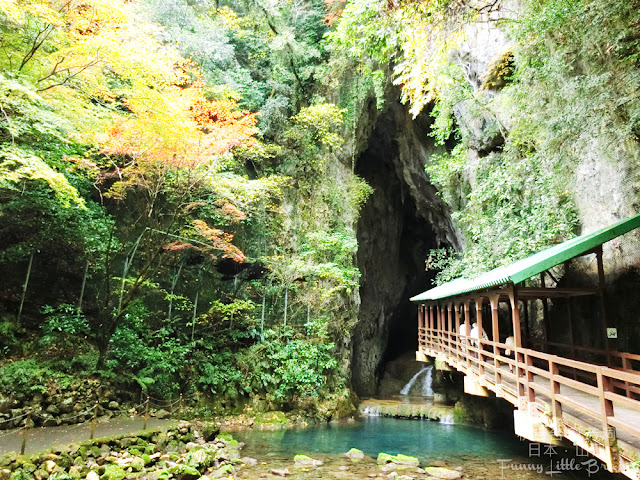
column 423, row 439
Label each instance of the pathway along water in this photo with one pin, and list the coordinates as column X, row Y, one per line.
column 45, row 438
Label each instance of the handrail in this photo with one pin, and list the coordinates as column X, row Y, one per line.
column 485, row 359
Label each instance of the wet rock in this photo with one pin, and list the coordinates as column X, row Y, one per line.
column 92, row 476
column 50, row 466
column 5, row 404
column 354, row 454
column 442, row 473
column 49, row 421
column 113, row 405
column 304, row 460
column 185, row 472
column 400, row 459
column 5, row 473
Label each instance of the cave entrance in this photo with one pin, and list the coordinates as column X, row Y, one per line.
column 395, row 233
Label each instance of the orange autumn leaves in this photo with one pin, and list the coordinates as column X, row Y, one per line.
column 179, row 127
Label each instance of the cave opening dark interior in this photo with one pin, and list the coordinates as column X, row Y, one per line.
column 394, row 236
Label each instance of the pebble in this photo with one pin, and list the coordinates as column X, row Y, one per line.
column 280, row 473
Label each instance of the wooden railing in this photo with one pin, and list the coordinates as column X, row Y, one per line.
column 564, row 391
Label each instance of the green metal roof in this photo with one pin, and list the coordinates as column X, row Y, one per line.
column 533, row 265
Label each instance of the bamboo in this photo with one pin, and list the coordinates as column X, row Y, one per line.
column 84, row 283
column 24, row 287
column 193, row 319
column 286, row 301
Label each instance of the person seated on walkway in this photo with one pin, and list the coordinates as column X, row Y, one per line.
column 474, row 335
column 463, row 332
column 510, row 342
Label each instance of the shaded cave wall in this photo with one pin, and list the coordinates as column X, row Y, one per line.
column 402, row 220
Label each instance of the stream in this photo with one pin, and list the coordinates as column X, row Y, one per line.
column 473, row 452
column 476, row 453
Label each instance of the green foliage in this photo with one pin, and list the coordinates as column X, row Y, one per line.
column 30, row 376
column 515, row 209
column 8, row 336
column 445, row 171
column 63, row 325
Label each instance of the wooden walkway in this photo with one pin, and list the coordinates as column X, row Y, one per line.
column 557, row 399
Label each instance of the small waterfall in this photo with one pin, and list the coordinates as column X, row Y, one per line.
column 372, row 411
column 426, row 390
column 447, row 419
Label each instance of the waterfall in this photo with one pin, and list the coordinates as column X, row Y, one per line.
column 426, row 390
column 447, row 419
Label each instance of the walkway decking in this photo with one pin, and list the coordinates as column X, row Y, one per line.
column 557, row 399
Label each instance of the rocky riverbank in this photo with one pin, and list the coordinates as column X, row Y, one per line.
column 73, row 404
column 184, row 452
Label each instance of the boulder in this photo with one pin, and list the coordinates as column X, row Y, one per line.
column 162, row 414
column 66, row 405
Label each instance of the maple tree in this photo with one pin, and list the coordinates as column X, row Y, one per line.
column 179, row 127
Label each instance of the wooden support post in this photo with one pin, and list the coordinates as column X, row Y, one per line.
column 450, row 308
column 467, row 316
column 608, row 344
column 494, row 301
column 180, row 408
column 420, row 326
column 456, row 306
column 608, row 432
column 479, row 345
column 626, row 365
column 556, row 406
column 440, row 322
column 521, row 363
column 526, row 341
column 27, row 425
column 146, row 413
column 93, row 421
column 545, row 317
column 530, row 393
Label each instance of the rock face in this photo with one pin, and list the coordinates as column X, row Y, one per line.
column 402, row 220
